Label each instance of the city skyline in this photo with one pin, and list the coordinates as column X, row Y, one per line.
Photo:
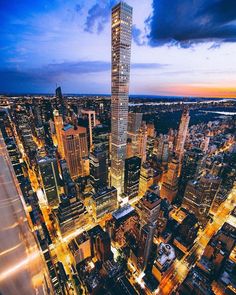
column 53, row 43
column 124, row 194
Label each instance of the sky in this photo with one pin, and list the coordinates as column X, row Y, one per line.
column 179, row 47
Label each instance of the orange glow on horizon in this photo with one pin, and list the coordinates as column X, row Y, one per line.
column 205, row 90
column 196, row 90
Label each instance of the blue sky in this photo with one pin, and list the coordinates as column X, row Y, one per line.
column 181, row 47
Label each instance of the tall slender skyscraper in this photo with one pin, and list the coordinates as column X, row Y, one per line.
column 121, row 51
column 182, row 133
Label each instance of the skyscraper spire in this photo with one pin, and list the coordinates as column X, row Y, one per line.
column 121, row 50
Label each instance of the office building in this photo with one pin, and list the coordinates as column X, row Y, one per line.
column 91, row 115
column 186, row 232
column 104, row 202
column 50, row 179
column 169, row 186
column 58, row 123
column 70, row 213
column 121, row 51
column 101, row 134
column 146, row 178
column 146, row 244
column 148, row 208
column 124, row 221
column 151, row 130
column 20, row 261
column 60, row 103
column 76, row 149
column 24, row 130
column 80, row 248
column 132, row 175
column 100, row 244
column 182, row 134
column 15, row 158
column 164, row 258
column 142, row 142
column 199, row 196
column 190, row 168
column 98, row 169
column 134, row 124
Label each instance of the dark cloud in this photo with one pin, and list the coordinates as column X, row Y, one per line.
column 98, row 16
column 191, row 21
column 48, row 75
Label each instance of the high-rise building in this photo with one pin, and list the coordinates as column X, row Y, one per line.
column 101, row 135
column 169, row 186
column 146, row 243
column 148, row 208
column 182, row 133
column 100, row 243
column 121, row 51
column 98, row 168
column 134, row 124
column 60, row 104
column 199, row 196
column 146, row 178
column 14, row 155
column 165, row 256
column 142, row 142
column 20, row 260
column 132, row 175
column 190, row 166
column 80, row 248
column 124, row 220
column 104, row 202
column 24, row 130
column 76, row 149
column 50, row 177
column 70, row 213
column 58, row 121
column 91, row 124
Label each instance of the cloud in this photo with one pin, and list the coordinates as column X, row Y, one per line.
column 98, row 16
column 137, row 36
column 186, row 22
column 48, row 75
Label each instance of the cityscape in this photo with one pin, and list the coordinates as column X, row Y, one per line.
column 118, row 193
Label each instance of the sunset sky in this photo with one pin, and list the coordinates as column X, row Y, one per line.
column 180, row 47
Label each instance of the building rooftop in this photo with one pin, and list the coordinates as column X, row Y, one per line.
column 122, row 212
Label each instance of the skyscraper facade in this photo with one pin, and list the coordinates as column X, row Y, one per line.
column 58, row 121
column 98, row 168
column 76, row 149
column 121, row 51
column 182, row 133
column 50, row 177
column 132, row 175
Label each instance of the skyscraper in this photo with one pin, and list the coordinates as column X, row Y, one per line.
column 98, row 168
column 134, row 124
column 50, row 178
column 169, row 187
column 132, row 175
column 199, row 196
column 60, row 104
column 182, row 133
column 91, row 123
column 76, row 149
column 121, row 51
column 58, row 121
